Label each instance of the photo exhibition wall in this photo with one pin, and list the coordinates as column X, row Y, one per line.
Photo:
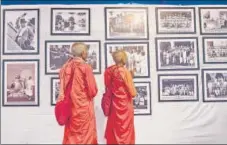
column 179, row 54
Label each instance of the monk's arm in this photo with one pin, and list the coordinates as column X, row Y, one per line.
column 129, row 83
column 91, row 83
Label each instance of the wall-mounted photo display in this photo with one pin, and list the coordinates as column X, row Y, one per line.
column 55, row 86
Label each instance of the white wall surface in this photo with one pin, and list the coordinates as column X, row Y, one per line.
column 179, row 122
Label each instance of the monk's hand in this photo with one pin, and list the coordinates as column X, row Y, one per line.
column 60, row 98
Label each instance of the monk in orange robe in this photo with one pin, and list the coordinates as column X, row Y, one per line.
column 81, row 128
column 120, row 123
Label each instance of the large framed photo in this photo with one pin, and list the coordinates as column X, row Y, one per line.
column 20, row 82
column 175, row 20
column 138, row 56
column 126, row 23
column 58, row 52
column 214, row 85
column 214, row 50
column 20, row 31
column 213, row 20
column 142, row 101
column 178, row 87
column 70, row 21
column 55, row 87
column 177, row 53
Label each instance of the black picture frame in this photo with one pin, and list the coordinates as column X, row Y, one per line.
column 176, row 38
column 4, row 83
column 71, row 41
column 83, row 34
column 178, row 75
column 120, row 43
column 172, row 8
column 126, row 38
column 52, row 103
column 37, row 31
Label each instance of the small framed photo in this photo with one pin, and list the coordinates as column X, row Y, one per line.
column 214, row 50
column 20, row 82
column 214, row 85
column 175, row 20
column 57, row 53
column 138, row 56
column 213, row 20
column 177, row 53
column 142, row 101
column 178, row 87
column 126, row 23
column 21, row 31
column 55, row 87
column 70, row 21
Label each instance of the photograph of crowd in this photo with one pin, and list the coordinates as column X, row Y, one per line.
column 215, row 84
column 58, row 52
column 142, row 101
column 126, row 23
column 137, row 53
column 215, row 49
column 55, row 88
column 67, row 21
column 176, row 53
column 170, row 20
column 20, row 80
column 21, row 31
column 213, row 20
column 178, row 87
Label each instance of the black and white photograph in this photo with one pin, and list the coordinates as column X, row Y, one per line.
column 175, row 20
column 177, row 53
column 214, row 85
column 213, row 20
column 58, row 52
column 70, row 21
column 142, row 101
column 178, row 87
column 126, row 23
column 20, row 82
column 21, row 31
column 55, row 86
column 137, row 53
column 214, row 50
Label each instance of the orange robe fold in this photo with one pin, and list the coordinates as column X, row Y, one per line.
column 120, row 123
column 81, row 128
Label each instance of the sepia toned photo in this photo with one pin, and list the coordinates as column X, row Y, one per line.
column 142, row 101
column 138, row 57
column 126, row 23
column 214, row 50
column 55, row 88
column 20, row 83
column 177, row 53
column 70, row 21
column 214, row 85
column 175, row 20
column 213, row 20
column 58, row 52
column 179, row 87
column 20, row 31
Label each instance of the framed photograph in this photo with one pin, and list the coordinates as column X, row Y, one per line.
column 214, row 85
column 20, row 82
column 57, row 53
column 214, row 50
column 70, row 21
column 213, row 20
column 177, row 53
column 55, row 86
column 126, row 23
column 175, row 20
column 142, row 101
column 178, row 87
column 138, row 56
column 21, row 31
